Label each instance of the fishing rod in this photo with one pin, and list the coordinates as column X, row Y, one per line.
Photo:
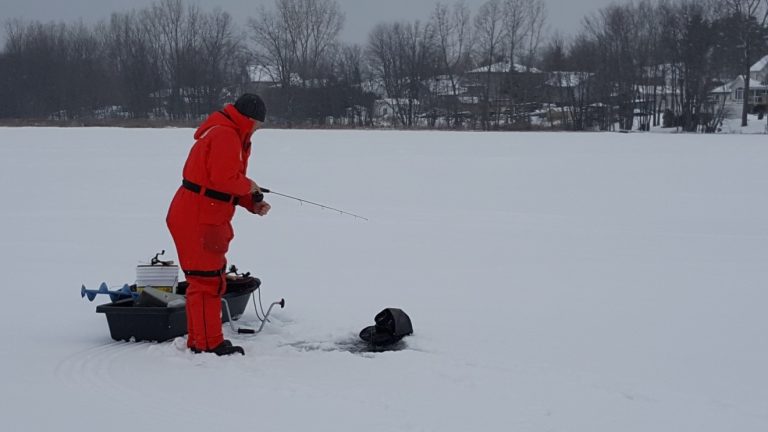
column 303, row 201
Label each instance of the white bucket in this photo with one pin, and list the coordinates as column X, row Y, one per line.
column 162, row 277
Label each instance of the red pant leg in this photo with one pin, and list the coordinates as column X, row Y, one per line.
column 204, row 312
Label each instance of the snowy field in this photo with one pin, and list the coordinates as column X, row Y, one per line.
column 556, row 282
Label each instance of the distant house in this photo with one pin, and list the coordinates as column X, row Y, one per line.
column 389, row 112
column 655, row 99
column 375, row 86
column 442, row 86
column 759, row 70
column 731, row 96
column 261, row 77
column 504, row 67
column 566, row 87
column 506, row 83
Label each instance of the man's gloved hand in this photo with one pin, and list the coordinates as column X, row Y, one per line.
column 254, row 188
column 261, row 208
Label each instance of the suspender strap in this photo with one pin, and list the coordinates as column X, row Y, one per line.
column 210, row 193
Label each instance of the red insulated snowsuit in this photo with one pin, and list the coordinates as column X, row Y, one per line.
column 201, row 213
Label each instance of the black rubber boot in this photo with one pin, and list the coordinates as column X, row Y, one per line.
column 224, row 348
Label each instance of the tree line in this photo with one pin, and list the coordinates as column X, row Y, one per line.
column 659, row 60
column 648, row 62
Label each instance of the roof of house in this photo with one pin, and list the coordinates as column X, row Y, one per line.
column 755, row 84
column 395, row 101
column 760, row 65
column 728, row 87
column 567, row 79
column 503, row 67
column 269, row 74
column 722, row 89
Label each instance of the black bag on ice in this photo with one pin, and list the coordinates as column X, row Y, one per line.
column 391, row 326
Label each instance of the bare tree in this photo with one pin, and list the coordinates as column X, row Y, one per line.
column 516, row 18
column 313, row 27
column 35, row 55
column 402, row 55
column 274, row 49
column 351, row 71
column 583, row 59
column 453, row 39
column 490, row 34
column 386, row 62
column 85, row 72
column 54, row 69
column 535, row 24
column 173, row 30
column 168, row 60
column 751, row 17
column 135, row 66
column 419, row 48
column 351, row 65
column 689, row 39
column 615, row 29
column 647, row 58
column 296, row 42
column 555, row 62
column 221, row 57
column 298, row 37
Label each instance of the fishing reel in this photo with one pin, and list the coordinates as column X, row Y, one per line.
column 158, row 261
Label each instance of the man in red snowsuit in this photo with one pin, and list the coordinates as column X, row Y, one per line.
column 201, row 213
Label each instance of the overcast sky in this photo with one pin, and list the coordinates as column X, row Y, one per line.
column 362, row 15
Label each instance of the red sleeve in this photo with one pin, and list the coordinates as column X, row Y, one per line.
column 246, row 201
column 225, row 165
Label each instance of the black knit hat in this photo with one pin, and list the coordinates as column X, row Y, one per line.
column 251, row 105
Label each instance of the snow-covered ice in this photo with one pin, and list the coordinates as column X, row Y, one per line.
column 556, row 282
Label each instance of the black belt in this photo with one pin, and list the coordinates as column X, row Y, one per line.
column 202, row 273
column 210, row 193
